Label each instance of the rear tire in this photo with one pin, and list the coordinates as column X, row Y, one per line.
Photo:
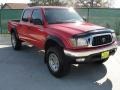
column 16, row 43
column 56, row 62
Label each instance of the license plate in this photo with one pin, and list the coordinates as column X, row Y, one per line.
column 105, row 54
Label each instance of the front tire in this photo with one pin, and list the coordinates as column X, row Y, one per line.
column 56, row 62
column 16, row 43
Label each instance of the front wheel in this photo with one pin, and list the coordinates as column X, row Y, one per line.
column 56, row 62
column 16, row 43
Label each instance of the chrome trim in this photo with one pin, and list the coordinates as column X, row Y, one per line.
column 89, row 39
column 53, row 62
column 90, row 52
column 100, row 35
column 92, row 36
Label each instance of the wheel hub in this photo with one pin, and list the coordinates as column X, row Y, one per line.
column 53, row 62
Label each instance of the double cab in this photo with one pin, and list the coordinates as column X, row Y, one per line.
column 64, row 36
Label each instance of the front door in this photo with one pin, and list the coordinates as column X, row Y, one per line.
column 36, row 29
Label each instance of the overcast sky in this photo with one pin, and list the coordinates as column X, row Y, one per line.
column 14, row 1
column 115, row 3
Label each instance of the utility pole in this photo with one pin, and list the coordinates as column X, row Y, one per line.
column 91, row 3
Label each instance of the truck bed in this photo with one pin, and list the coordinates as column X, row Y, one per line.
column 12, row 23
column 15, row 20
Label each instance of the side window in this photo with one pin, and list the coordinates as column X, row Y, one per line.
column 36, row 17
column 25, row 16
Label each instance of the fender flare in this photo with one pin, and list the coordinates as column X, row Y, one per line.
column 56, row 39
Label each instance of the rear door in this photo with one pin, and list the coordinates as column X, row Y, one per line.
column 23, row 25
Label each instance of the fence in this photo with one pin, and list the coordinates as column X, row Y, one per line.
column 6, row 15
column 102, row 16
column 109, row 18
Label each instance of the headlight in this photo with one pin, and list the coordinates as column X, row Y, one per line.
column 114, row 36
column 79, row 42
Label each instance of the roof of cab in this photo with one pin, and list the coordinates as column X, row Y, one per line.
column 35, row 7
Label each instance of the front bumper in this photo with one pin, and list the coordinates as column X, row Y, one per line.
column 91, row 55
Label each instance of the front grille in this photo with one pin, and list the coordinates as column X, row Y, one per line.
column 101, row 40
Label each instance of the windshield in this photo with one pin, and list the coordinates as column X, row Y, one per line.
column 62, row 15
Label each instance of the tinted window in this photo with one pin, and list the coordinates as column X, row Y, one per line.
column 37, row 15
column 26, row 14
column 62, row 15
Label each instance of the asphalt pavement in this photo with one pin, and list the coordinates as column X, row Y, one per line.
column 25, row 70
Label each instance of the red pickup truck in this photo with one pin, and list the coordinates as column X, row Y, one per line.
column 66, row 38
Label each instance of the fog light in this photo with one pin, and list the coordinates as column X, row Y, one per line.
column 80, row 60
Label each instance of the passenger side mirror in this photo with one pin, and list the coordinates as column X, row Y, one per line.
column 36, row 21
column 85, row 18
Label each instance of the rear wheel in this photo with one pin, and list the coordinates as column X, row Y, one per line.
column 56, row 62
column 16, row 43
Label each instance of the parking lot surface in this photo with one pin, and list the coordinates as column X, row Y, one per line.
column 25, row 70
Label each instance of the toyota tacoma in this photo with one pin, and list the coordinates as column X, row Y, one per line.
column 64, row 36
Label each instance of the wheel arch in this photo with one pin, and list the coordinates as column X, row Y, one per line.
column 53, row 40
column 14, row 30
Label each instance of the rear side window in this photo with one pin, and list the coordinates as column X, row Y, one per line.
column 37, row 16
column 25, row 16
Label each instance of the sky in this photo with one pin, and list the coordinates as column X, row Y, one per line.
column 115, row 3
column 14, row 1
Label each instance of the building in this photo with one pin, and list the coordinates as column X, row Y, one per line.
column 15, row 6
column 1, row 6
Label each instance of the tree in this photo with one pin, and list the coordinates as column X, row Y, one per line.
column 1, row 5
column 92, row 3
column 47, row 2
column 75, row 3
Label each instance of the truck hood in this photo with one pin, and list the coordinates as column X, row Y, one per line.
column 74, row 28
